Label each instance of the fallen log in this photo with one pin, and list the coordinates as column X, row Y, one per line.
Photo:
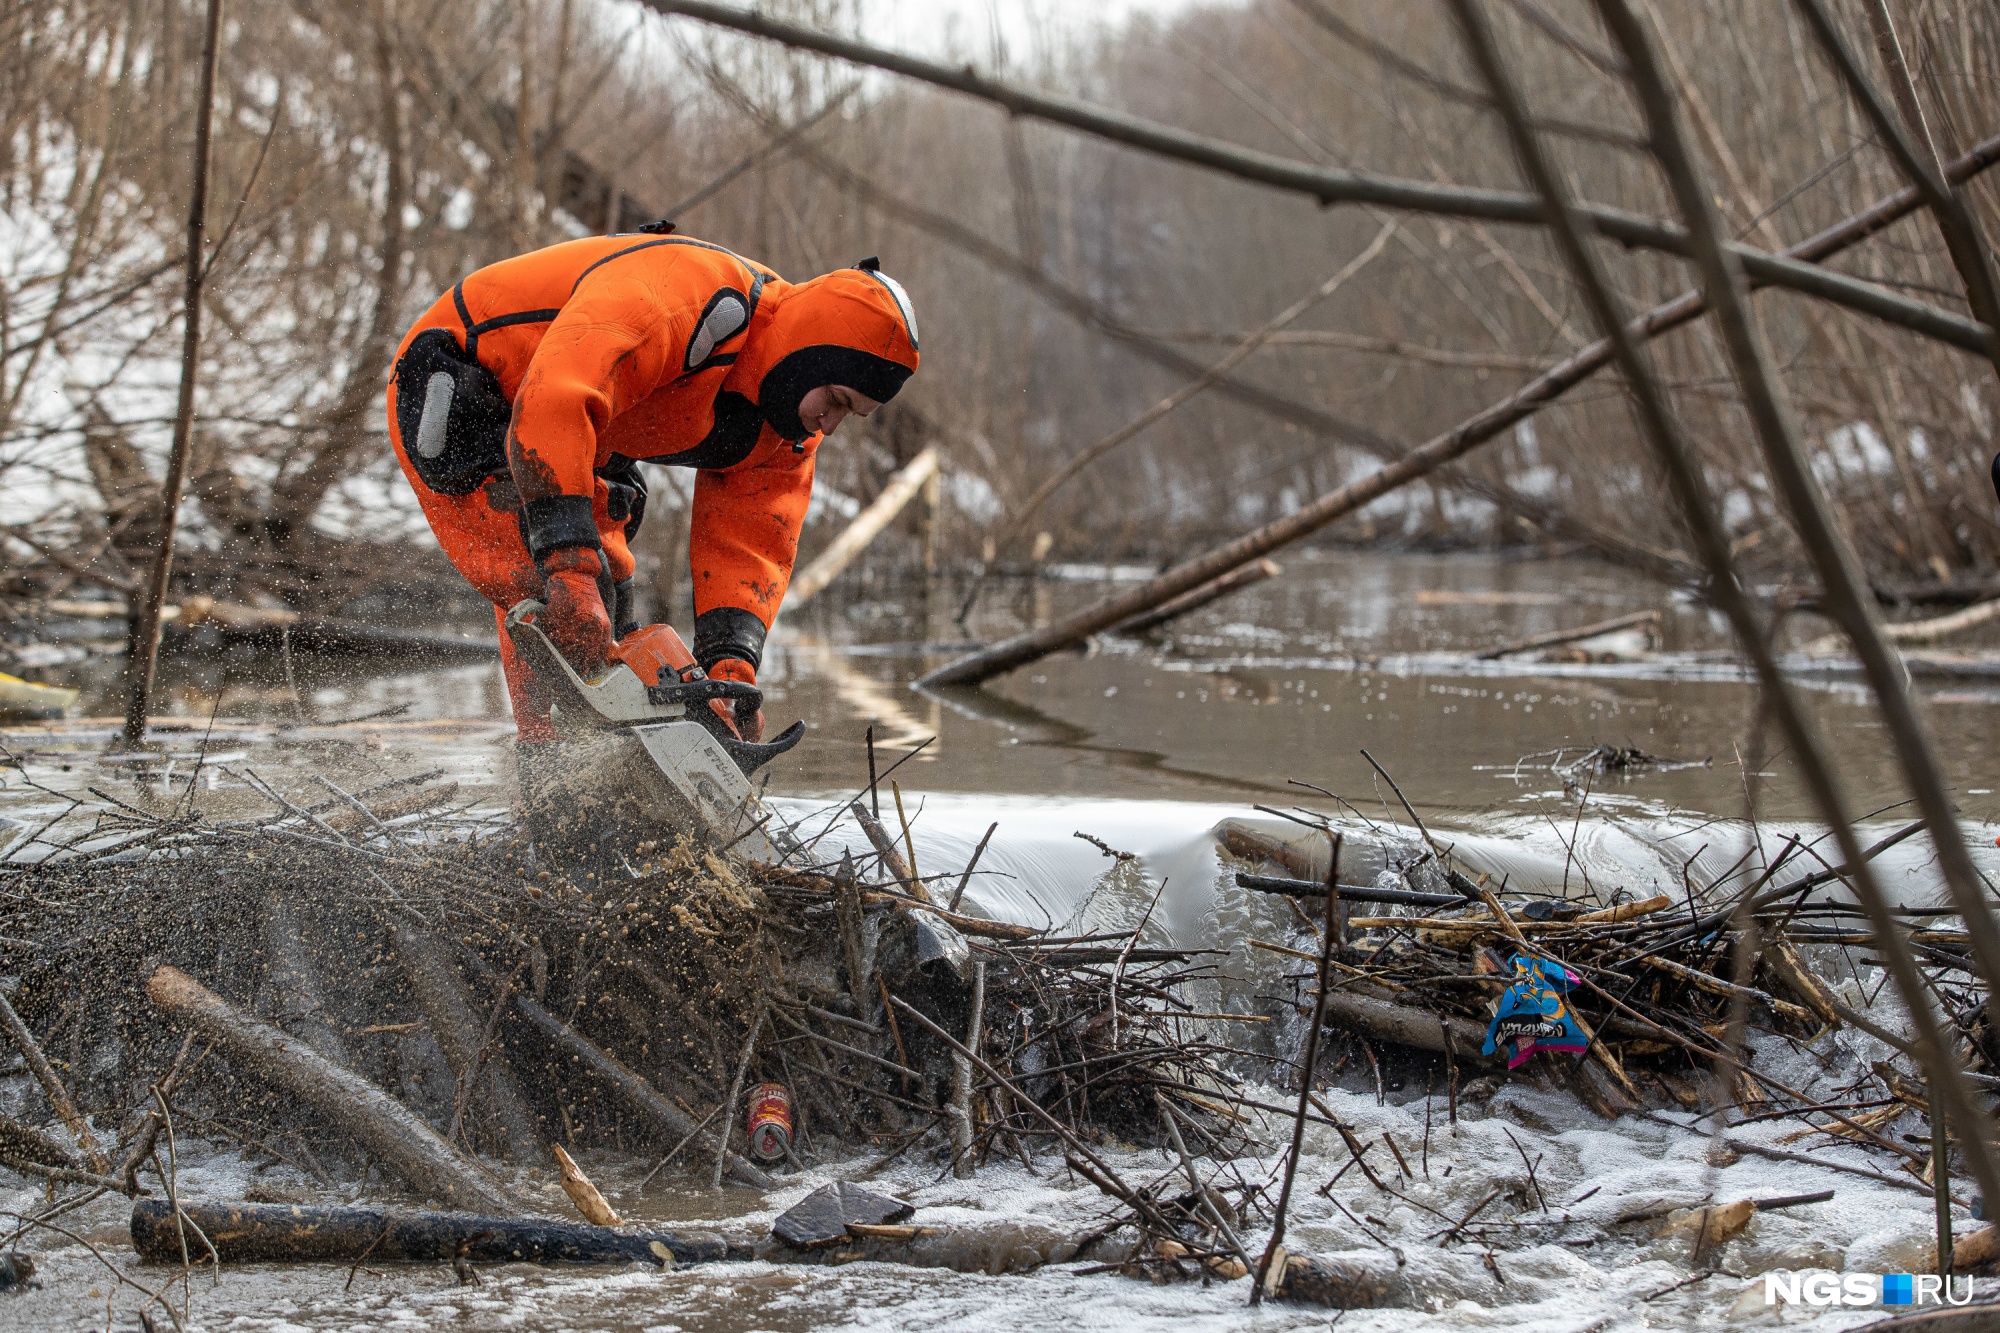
column 1918, row 631
column 375, row 1120
column 991, row 1248
column 1256, row 845
column 867, row 525
column 276, row 1233
column 1214, row 590
column 997, row 1248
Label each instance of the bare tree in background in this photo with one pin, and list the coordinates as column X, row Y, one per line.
column 364, row 163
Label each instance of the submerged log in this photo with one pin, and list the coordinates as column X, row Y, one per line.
column 276, row 1233
column 375, row 1120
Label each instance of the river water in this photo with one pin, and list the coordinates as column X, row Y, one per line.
column 1150, row 746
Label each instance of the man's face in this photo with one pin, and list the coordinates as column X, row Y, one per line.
column 823, row 409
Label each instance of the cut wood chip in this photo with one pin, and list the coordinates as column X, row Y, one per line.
column 582, row 1193
column 1711, row 1226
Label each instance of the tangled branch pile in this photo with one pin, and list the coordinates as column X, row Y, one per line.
column 419, row 945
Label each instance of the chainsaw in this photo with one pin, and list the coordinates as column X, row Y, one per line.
column 652, row 690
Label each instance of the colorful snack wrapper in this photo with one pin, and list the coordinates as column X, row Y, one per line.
column 1533, row 1015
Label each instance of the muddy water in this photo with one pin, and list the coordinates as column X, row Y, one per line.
column 1147, row 747
column 1289, row 680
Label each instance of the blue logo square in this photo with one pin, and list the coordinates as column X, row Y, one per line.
column 1898, row 1289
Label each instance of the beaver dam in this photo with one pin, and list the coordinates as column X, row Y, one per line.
column 297, row 1054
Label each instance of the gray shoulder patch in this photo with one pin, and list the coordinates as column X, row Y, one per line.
column 724, row 320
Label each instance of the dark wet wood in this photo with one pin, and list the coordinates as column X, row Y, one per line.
column 270, row 1233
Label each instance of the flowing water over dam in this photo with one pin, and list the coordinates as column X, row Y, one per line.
column 1150, row 748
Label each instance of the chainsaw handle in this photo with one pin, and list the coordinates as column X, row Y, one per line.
column 694, row 692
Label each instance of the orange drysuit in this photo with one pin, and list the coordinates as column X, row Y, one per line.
column 559, row 369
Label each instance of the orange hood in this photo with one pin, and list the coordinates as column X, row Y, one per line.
column 853, row 327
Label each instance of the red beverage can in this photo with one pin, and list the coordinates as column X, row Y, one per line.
column 769, row 1130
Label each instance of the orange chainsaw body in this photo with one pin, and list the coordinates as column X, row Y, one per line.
column 657, row 654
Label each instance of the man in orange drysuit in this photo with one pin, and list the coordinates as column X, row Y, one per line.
column 559, row 369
